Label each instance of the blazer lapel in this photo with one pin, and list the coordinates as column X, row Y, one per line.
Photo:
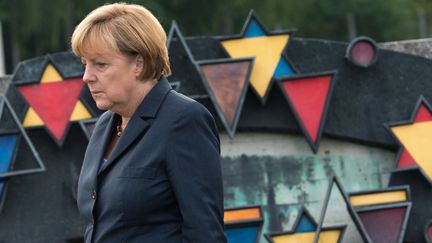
column 98, row 146
column 134, row 129
column 140, row 121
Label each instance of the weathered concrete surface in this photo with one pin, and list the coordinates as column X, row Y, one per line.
column 419, row 47
column 280, row 172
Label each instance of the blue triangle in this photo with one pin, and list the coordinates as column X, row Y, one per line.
column 7, row 147
column 283, row 69
column 242, row 235
column 254, row 30
column 305, row 225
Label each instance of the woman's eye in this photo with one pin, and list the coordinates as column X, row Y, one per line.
column 100, row 64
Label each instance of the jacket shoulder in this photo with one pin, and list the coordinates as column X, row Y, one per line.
column 185, row 104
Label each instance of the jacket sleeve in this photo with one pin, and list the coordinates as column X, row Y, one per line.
column 194, row 169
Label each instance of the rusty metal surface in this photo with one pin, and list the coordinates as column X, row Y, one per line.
column 226, row 80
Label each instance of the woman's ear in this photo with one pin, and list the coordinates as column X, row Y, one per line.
column 139, row 65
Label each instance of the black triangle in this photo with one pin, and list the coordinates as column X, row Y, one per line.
column 183, row 67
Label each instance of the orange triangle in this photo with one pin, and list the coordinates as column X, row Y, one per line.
column 227, row 82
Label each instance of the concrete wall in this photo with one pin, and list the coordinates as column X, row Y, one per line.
column 280, row 172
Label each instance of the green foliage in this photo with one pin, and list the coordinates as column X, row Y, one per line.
column 35, row 27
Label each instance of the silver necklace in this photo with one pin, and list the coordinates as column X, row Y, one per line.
column 119, row 130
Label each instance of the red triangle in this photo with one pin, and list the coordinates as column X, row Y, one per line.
column 384, row 225
column 308, row 97
column 53, row 102
column 227, row 81
column 405, row 160
column 423, row 114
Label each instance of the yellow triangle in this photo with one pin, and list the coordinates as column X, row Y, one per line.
column 417, row 139
column 32, row 119
column 307, row 237
column 80, row 112
column 50, row 75
column 267, row 51
column 329, row 236
column 326, row 236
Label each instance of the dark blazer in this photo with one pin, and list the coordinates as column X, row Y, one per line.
column 162, row 182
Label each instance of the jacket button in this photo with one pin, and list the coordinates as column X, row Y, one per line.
column 93, row 194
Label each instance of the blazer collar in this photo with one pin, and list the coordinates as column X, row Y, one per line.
column 139, row 122
column 154, row 99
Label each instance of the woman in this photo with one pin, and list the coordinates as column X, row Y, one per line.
column 151, row 172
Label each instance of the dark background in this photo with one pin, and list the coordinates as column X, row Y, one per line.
column 35, row 27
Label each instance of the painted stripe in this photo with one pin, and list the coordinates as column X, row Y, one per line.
column 295, row 238
column 378, row 198
column 242, row 214
column 326, row 236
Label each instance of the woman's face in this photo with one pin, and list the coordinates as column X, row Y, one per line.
column 112, row 79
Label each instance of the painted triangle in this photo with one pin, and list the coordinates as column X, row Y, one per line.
column 254, row 29
column 32, row 119
column 423, row 114
column 267, row 51
column 242, row 234
column 405, row 160
column 227, row 82
column 305, row 224
column 384, row 225
column 54, row 103
column 7, row 145
column 7, row 148
column 308, row 97
column 283, row 69
column 50, row 75
column 80, row 112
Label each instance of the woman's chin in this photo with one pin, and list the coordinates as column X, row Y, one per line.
column 102, row 106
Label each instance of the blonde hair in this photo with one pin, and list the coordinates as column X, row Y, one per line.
column 126, row 28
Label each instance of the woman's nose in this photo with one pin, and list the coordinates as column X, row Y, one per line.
column 88, row 76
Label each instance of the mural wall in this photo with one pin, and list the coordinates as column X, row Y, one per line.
column 322, row 141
